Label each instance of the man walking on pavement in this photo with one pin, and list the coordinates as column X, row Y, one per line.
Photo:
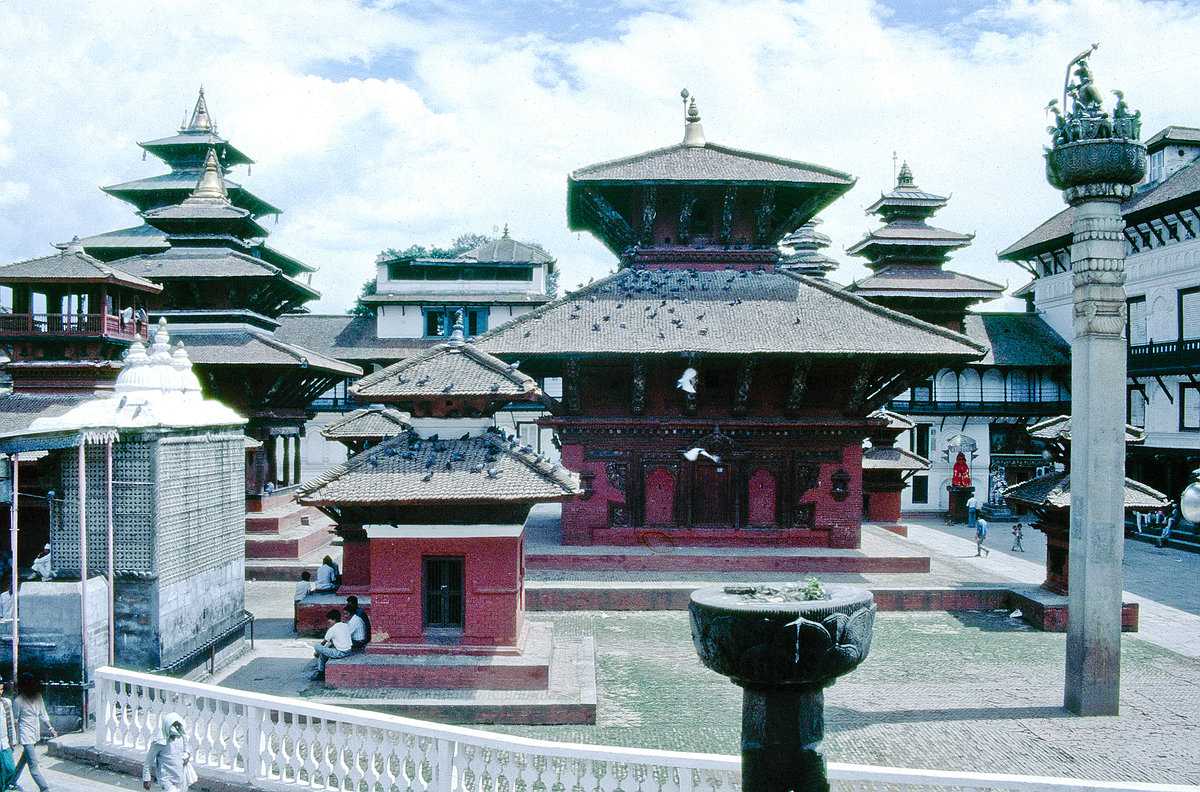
column 972, row 510
column 981, row 527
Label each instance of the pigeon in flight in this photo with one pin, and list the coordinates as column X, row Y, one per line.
column 687, row 383
column 692, row 454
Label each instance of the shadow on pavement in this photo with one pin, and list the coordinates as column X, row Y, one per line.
column 273, row 628
column 990, row 621
column 274, row 676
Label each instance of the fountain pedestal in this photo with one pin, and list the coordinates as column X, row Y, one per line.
column 783, row 651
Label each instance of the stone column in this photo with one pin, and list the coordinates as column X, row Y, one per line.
column 1097, row 542
column 1095, row 159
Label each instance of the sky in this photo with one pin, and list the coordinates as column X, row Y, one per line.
column 379, row 125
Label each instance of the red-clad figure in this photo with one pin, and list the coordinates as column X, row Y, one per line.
column 961, row 474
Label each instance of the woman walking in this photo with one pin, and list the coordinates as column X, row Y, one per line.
column 168, row 757
column 31, row 714
column 8, row 741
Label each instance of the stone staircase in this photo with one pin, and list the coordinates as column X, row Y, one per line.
column 284, row 538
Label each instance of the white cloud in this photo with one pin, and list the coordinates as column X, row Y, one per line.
column 478, row 125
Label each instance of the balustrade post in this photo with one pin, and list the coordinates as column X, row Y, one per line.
column 443, row 774
column 102, row 694
column 250, row 762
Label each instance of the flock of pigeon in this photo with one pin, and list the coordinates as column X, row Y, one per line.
column 444, row 456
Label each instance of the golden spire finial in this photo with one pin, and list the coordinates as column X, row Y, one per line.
column 212, row 183
column 201, row 121
column 693, row 133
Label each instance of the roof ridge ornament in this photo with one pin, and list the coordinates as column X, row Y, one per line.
column 456, row 339
column 74, row 246
column 693, row 133
column 201, row 120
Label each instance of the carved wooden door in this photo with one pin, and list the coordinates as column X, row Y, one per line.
column 659, row 505
column 710, row 495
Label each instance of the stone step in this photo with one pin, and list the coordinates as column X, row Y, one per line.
column 599, row 559
column 290, row 568
column 293, row 543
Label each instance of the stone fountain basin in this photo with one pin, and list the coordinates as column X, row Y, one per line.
column 759, row 640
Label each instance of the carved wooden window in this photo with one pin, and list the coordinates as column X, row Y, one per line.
column 659, row 497
column 1136, row 407
column 1189, row 407
column 761, row 498
column 1137, row 321
column 1189, row 314
column 920, row 489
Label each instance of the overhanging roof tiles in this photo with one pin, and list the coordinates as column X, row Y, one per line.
column 367, row 423
column 346, row 337
column 449, row 372
column 73, row 267
column 892, row 459
column 1054, row 490
column 906, row 281
column 725, row 312
column 709, row 163
column 1017, row 339
column 395, row 471
column 251, row 348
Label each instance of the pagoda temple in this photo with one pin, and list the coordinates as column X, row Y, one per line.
column 199, row 259
column 709, row 395
column 906, row 257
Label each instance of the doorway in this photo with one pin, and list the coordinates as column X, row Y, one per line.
column 443, row 593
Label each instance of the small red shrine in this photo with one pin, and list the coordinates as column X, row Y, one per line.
column 433, row 527
column 710, row 396
column 886, row 468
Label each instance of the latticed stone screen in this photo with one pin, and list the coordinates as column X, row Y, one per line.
column 178, row 506
column 133, row 509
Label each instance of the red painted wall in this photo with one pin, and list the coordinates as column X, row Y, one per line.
column 493, row 591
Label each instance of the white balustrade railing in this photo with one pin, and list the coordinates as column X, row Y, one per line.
column 273, row 743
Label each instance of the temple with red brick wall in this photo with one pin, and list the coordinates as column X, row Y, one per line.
column 711, row 397
column 432, row 523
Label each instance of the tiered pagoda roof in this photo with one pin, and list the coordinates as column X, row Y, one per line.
column 805, row 244
column 907, row 255
column 656, row 200
column 72, row 265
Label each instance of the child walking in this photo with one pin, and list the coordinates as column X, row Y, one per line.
column 1018, row 533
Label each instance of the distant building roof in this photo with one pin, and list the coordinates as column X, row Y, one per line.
column 253, row 348
column 1054, row 490
column 1016, row 339
column 368, row 423
column 892, row 459
column 1173, row 134
column 400, row 471
column 912, row 281
column 19, row 410
column 1059, row 428
column 1179, row 191
column 507, row 250
column 450, row 370
column 722, row 312
column 347, row 337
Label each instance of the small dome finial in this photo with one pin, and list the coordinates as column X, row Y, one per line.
column 693, row 133
column 505, row 235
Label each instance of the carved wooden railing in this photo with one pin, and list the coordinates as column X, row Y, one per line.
column 272, row 743
column 53, row 324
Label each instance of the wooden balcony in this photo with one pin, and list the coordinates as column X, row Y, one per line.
column 70, row 326
column 1027, row 409
column 1165, row 357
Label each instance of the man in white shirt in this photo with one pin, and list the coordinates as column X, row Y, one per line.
column 972, row 510
column 358, row 631
column 337, row 643
column 41, row 564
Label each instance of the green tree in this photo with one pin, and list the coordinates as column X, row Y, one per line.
column 462, row 243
